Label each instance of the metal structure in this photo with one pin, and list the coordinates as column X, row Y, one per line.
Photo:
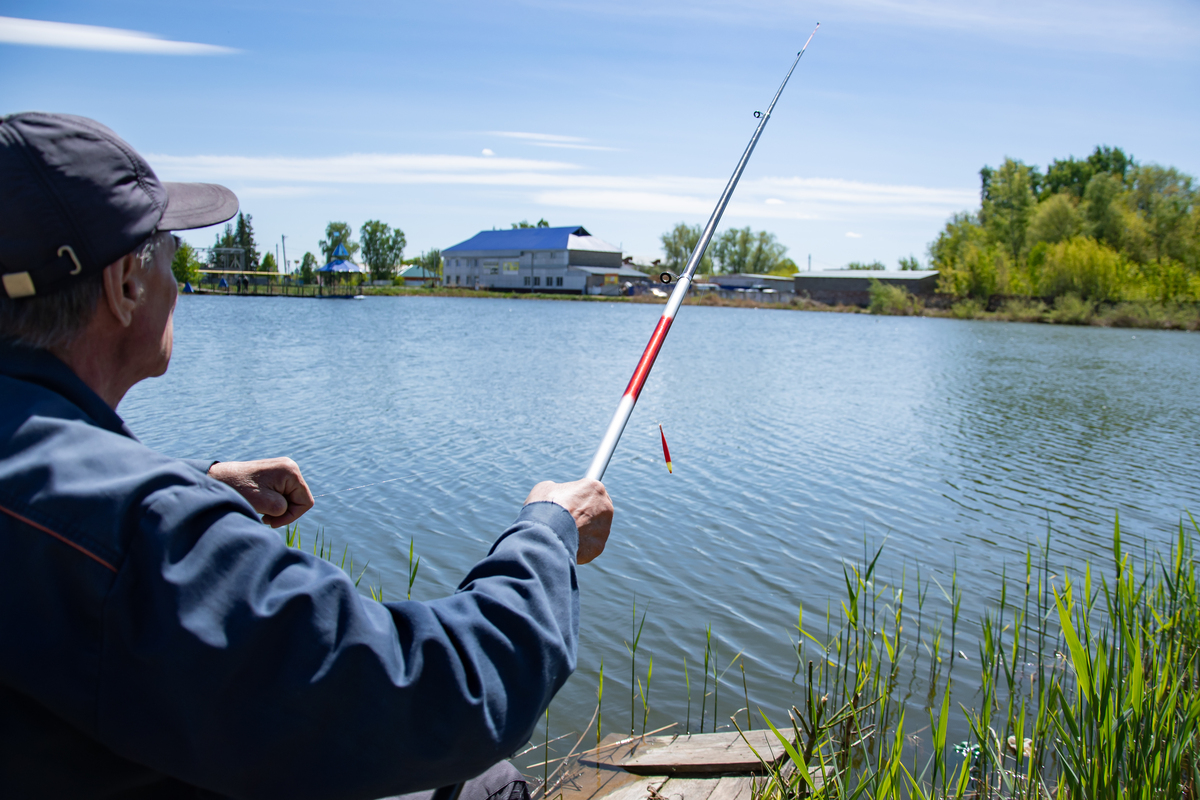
column 227, row 259
column 625, row 408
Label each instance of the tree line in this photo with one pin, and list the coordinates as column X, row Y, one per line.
column 380, row 246
column 735, row 250
column 1103, row 228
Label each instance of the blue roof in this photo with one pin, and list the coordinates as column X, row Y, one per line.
column 340, row 265
column 340, row 251
column 521, row 239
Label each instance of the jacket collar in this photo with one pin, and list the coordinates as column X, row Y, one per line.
column 44, row 369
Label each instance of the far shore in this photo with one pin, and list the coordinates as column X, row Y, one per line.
column 1067, row 310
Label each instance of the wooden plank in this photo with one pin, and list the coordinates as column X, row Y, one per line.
column 688, row 788
column 733, row 787
column 595, row 773
column 705, row 753
column 644, row 789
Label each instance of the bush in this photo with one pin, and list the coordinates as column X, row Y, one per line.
column 1018, row 310
column 967, row 309
column 1071, row 309
column 1167, row 316
column 893, row 300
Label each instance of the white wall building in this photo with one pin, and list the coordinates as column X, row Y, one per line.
column 551, row 260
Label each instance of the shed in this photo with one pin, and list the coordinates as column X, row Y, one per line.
column 611, row 280
column 750, row 280
column 416, row 275
column 852, row 287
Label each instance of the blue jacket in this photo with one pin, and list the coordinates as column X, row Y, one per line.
column 155, row 636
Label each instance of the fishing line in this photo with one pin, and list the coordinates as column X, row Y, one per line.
column 628, row 400
column 389, row 480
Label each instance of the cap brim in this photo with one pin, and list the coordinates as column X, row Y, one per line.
column 196, row 205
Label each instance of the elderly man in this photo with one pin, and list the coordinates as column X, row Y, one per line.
column 157, row 639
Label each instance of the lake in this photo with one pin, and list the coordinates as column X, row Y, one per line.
column 799, row 439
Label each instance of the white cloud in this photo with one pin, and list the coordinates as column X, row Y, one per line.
column 358, row 168
column 279, row 191
column 487, row 151
column 540, row 137
column 562, row 184
column 39, row 33
column 552, row 140
column 853, row 235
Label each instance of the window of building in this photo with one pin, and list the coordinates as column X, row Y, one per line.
column 526, row 280
column 455, row 280
column 558, row 280
column 537, row 281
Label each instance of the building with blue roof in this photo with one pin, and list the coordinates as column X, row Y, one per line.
column 565, row 260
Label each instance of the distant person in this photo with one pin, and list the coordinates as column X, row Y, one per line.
column 158, row 640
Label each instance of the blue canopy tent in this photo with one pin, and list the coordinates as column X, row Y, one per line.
column 341, row 262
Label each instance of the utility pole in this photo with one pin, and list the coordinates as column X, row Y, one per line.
column 285, row 264
column 810, row 262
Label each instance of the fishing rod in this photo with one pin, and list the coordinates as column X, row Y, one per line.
column 628, row 400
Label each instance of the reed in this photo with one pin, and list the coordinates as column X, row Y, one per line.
column 322, row 547
column 1089, row 688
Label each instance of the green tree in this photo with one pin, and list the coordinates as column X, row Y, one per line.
column 541, row 223
column 1103, row 207
column 1072, row 175
column 382, row 248
column 186, row 264
column 432, row 261
column 785, row 266
column 268, row 263
column 910, row 264
column 1164, row 197
column 1056, row 219
column 337, row 233
column 1084, row 267
column 308, row 267
column 678, row 244
column 243, row 234
column 746, row 251
column 865, row 265
column 1008, row 204
column 226, row 239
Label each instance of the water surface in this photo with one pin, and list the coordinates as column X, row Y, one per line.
column 798, row 439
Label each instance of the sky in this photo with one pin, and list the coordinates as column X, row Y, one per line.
column 444, row 119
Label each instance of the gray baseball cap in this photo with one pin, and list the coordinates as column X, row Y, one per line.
column 75, row 197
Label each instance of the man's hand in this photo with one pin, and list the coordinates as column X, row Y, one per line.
column 589, row 504
column 274, row 487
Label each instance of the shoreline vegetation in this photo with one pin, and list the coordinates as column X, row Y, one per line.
column 1088, row 685
column 1068, row 309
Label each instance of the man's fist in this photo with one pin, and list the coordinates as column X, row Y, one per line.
column 274, row 487
column 589, row 504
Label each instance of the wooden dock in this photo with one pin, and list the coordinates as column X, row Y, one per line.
column 709, row 766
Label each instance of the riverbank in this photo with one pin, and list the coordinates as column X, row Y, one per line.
column 890, row 301
column 1066, row 310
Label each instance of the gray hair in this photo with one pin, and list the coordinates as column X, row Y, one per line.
column 55, row 320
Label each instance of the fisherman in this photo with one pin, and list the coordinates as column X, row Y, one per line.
column 156, row 639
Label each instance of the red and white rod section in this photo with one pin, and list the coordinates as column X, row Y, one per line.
column 625, row 408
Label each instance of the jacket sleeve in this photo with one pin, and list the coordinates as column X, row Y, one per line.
column 236, row 663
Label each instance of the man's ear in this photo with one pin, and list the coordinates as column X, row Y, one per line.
column 123, row 288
